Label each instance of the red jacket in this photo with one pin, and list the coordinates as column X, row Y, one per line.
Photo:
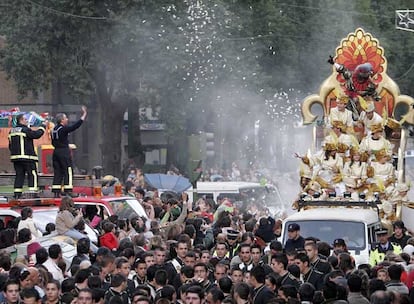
column 109, row 240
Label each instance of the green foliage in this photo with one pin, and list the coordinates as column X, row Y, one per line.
column 204, row 64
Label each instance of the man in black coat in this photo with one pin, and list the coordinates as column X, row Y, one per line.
column 261, row 294
column 265, row 230
column 310, row 275
column 62, row 158
column 295, row 240
column 23, row 154
column 315, row 261
column 400, row 235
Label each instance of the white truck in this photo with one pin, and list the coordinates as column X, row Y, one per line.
column 354, row 222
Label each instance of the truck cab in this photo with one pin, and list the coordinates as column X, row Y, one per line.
column 354, row 222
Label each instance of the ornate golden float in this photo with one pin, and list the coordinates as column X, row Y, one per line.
column 358, row 48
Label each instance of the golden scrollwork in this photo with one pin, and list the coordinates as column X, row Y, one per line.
column 361, row 47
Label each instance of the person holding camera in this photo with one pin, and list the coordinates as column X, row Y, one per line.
column 67, row 218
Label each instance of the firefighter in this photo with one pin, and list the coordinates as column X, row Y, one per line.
column 62, row 159
column 23, row 154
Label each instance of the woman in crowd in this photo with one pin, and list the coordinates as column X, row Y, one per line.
column 67, row 218
column 27, row 222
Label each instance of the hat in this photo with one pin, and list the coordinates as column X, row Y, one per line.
column 381, row 231
column 402, row 187
column 342, row 99
column 409, row 249
column 339, row 242
column 305, row 171
column 32, row 248
column 329, row 147
column 313, row 185
column 354, row 151
column 232, row 234
column 339, row 124
column 342, row 147
column 377, row 188
column 370, row 107
column 376, row 128
column 380, row 154
column 392, row 124
column 293, row 227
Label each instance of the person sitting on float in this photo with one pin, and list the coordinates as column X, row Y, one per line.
column 382, row 169
column 339, row 136
column 392, row 202
column 400, row 193
column 342, row 114
column 305, row 173
column 356, row 167
column 376, row 193
column 328, row 171
column 350, row 192
column 314, row 191
column 368, row 118
column 376, row 142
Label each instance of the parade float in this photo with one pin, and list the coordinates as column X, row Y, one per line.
column 359, row 77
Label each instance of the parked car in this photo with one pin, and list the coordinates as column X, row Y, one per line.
column 122, row 206
column 42, row 216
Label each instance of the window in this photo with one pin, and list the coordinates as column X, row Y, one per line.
column 352, row 232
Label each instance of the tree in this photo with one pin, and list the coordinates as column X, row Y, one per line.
column 91, row 50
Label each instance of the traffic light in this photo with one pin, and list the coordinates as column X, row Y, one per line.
column 195, row 170
column 210, row 149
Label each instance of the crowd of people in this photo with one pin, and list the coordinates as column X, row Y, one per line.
column 201, row 252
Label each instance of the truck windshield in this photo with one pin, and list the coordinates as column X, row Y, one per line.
column 127, row 208
column 327, row 231
column 258, row 195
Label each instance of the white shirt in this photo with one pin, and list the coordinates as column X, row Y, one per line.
column 376, row 119
column 344, row 116
column 29, row 224
column 53, row 268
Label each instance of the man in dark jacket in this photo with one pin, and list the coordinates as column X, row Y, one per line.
column 23, row 155
column 400, row 235
column 62, row 159
column 310, row 275
column 265, row 230
column 261, row 294
column 295, row 240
